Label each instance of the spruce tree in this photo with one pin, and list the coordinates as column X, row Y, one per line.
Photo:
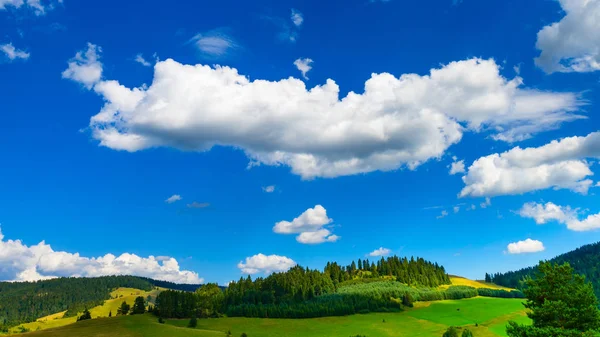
column 560, row 302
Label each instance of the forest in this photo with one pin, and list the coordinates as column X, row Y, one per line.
column 22, row 302
column 361, row 287
column 585, row 260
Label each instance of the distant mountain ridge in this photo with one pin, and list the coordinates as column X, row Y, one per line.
column 585, row 260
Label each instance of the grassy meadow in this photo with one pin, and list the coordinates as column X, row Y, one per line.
column 427, row 319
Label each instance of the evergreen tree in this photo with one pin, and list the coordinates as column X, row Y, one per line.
column 123, row 309
column 560, row 303
column 86, row 315
column 451, row 332
column 193, row 322
column 139, row 306
column 467, row 333
column 110, row 313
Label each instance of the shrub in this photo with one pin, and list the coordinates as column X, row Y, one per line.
column 193, row 322
column 467, row 333
column 161, row 320
column 451, row 332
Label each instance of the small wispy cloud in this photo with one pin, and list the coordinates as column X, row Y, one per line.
column 13, row 53
column 214, row 43
column 139, row 58
column 442, row 215
column 173, row 198
column 196, row 204
column 304, row 66
column 269, row 189
column 297, row 17
column 288, row 29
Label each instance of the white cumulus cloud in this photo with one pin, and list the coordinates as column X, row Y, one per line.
column 265, row 264
column 380, row 252
column 85, row 67
column 13, row 53
column 304, row 66
column 395, row 123
column 173, row 198
column 309, row 225
column 442, row 215
column 19, row 262
column 571, row 45
column 525, row 246
column 543, row 213
column 560, row 164
column 457, row 167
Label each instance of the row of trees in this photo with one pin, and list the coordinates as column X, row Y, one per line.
column 382, row 296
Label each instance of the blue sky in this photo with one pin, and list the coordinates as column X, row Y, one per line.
column 95, row 139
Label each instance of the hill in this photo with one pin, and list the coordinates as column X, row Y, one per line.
column 585, row 260
column 22, row 302
column 109, row 307
column 429, row 319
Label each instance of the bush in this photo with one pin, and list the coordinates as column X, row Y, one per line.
column 161, row 320
column 244, row 334
column 467, row 333
column 451, row 332
column 193, row 322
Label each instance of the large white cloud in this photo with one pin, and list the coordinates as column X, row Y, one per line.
column 309, row 225
column 560, row 164
column 525, row 246
column 543, row 213
column 573, row 43
column 395, row 123
column 19, row 262
column 261, row 263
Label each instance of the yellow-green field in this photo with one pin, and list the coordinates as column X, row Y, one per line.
column 117, row 297
column 428, row 319
column 461, row 281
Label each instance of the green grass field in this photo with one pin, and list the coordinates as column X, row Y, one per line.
column 428, row 319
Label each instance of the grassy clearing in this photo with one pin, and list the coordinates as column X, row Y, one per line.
column 461, row 281
column 427, row 320
column 117, row 297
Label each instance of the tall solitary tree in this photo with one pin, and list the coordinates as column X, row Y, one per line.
column 123, row 309
column 561, row 304
column 139, row 306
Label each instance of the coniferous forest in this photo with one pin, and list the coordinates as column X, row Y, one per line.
column 26, row 301
column 585, row 260
column 361, row 287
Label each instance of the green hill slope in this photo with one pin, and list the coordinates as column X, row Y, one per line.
column 585, row 260
column 428, row 319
